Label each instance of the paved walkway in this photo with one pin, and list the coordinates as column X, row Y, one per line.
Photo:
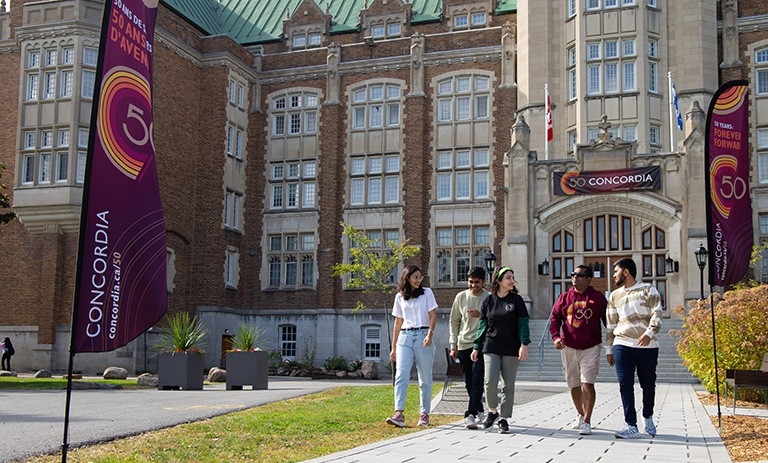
column 541, row 432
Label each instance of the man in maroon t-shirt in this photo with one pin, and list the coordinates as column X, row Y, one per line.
column 575, row 329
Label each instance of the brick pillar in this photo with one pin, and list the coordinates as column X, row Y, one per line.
column 331, row 181
column 54, row 296
column 417, row 178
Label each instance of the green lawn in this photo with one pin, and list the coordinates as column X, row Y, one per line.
column 288, row 431
column 10, row 383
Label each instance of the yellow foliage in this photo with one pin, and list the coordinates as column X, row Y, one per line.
column 741, row 318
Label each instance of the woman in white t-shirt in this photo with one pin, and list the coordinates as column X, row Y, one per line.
column 415, row 317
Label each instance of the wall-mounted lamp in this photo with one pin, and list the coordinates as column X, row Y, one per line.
column 544, row 267
column 490, row 263
column 673, row 266
column 369, row 41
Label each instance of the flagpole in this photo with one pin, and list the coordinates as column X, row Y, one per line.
column 672, row 116
column 546, row 121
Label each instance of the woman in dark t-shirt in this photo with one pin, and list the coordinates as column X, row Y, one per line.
column 503, row 337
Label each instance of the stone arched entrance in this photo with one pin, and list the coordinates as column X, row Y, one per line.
column 598, row 230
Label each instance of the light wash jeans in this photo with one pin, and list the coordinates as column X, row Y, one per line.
column 505, row 365
column 410, row 350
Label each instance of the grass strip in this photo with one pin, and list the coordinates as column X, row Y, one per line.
column 288, row 431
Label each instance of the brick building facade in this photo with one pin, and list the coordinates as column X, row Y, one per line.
column 410, row 120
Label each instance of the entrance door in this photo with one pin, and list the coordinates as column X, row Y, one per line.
column 602, row 267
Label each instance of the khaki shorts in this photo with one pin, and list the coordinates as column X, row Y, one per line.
column 581, row 365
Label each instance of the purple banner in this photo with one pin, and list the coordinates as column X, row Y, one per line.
column 729, row 206
column 606, row 181
column 121, row 286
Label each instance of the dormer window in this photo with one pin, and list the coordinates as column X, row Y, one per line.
column 465, row 20
column 303, row 39
column 478, row 18
column 382, row 30
column 460, row 21
column 299, row 41
column 377, row 31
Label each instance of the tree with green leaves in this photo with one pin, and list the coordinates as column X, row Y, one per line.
column 5, row 202
column 370, row 267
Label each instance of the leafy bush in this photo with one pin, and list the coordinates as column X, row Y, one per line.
column 742, row 339
column 336, row 363
column 308, row 353
column 275, row 359
column 356, row 364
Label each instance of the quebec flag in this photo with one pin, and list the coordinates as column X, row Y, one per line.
column 678, row 116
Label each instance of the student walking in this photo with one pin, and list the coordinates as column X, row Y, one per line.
column 634, row 320
column 575, row 327
column 503, row 336
column 464, row 318
column 415, row 318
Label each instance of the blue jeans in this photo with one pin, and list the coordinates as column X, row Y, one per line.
column 627, row 359
column 474, row 375
column 410, row 350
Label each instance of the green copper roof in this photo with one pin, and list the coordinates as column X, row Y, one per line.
column 255, row 21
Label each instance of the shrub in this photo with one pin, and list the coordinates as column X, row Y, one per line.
column 336, row 363
column 308, row 353
column 742, row 339
column 275, row 359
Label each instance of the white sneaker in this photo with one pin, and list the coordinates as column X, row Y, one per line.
column 628, row 432
column 577, row 423
column 650, row 428
column 470, row 422
column 585, row 429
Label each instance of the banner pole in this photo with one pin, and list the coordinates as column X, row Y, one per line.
column 714, row 350
column 65, row 440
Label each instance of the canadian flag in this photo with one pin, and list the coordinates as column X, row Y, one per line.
column 550, row 129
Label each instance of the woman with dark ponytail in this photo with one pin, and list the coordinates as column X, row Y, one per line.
column 503, row 337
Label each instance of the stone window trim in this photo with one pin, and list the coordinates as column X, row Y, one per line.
column 384, row 27
column 457, row 249
column 291, row 260
column 304, row 37
column 466, row 18
column 294, row 112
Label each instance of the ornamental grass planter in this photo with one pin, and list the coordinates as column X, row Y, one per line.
column 247, row 368
column 180, row 370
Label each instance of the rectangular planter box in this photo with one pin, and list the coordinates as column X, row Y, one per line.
column 180, row 370
column 247, row 368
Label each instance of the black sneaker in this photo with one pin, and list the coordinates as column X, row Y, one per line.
column 490, row 418
column 503, row 426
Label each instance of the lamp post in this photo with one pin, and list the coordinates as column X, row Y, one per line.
column 701, row 261
column 490, row 263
